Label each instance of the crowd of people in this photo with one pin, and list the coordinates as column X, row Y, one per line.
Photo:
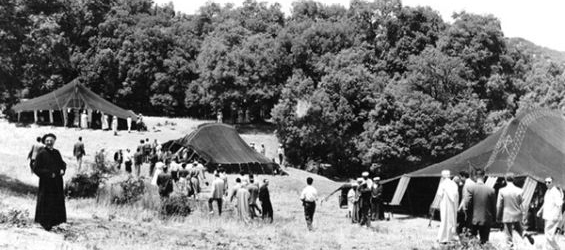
column 468, row 205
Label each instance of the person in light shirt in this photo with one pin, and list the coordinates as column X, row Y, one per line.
column 448, row 193
column 551, row 212
column 308, row 197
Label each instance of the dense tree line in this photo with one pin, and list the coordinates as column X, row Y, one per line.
column 375, row 84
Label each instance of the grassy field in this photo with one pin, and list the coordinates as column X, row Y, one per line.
column 100, row 226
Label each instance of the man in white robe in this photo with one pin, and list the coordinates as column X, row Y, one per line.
column 449, row 198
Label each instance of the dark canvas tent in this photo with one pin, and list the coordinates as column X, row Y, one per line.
column 72, row 96
column 532, row 146
column 220, row 145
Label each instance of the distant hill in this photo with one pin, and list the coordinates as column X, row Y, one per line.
column 539, row 52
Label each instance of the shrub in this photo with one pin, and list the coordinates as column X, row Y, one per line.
column 15, row 217
column 83, row 185
column 133, row 189
column 175, row 206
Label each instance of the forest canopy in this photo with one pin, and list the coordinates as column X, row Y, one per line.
column 376, row 84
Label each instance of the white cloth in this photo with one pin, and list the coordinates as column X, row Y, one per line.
column 309, row 193
column 104, row 121
column 158, row 170
column 449, row 197
column 128, row 156
column 552, row 203
column 129, row 123
column 84, row 120
column 350, row 200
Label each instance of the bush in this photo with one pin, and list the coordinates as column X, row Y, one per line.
column 83, row 185
column 175, row 206
column 15, row 217
column 133, row 189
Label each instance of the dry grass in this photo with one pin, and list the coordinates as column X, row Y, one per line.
column 95, row 225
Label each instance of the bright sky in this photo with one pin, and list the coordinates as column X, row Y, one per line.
column 539, row 21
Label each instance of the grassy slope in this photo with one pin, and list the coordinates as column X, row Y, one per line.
column 97, row 226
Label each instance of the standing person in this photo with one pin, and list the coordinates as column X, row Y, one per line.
column 509, row 210
column 128, row 121
column 263, row 150
column 194, row 180
column 551, row 212
column 217, row 194
column 224, row 177
column 243, row 195
column 137, row 161
column 467, row 182
column 128, row 161
column 84, row 120
column 480, row 202
column 265, row 199
column 153, row 159
column 449, row 198
column 165, row 184
column 104, row 118
column 118, row 158
column 115, row 125
column 308, row 197
column 219, row 117
column 32, row 155
column 233, row 191
column 146, row 150
column 377, row 212
column 78, row 152
column 253, row 195
column 50, row 168
column 365, row 201
column 357, row 196
column 280, row 153
column 351, row 201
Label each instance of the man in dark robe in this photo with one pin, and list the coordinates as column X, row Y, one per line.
column 50, row 167
column 377, row 213
column 265, row 199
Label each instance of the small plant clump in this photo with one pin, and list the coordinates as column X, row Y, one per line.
column 175, row 206
column 84, row 185
column 133, row 190
column 15, row 218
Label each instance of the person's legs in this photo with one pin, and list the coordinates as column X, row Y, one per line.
column 219, row 202
column 210, row 205
column 484, row 232
column 508, row 228
column 549, row 232
column 309, row 208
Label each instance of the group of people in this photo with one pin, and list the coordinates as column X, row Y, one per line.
column 246, row 192
column 478, row 208
column 86, row 119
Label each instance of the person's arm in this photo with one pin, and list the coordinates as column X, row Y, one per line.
column 499, row 206
column 467, row 196
column 39, row 166
column 332, row 193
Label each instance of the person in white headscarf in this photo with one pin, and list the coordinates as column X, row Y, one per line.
column 449, row 198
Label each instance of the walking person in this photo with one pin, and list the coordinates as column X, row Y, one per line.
column 253, row 195
column 467, row 182
column 280, row 153
column 351, row 201
column 217, row 194
column 265, row 199
column 32, row 155
column 137, row 161
column 509, row 210
column 50, row 168
column 449, row 198
column 308, row 197
column 165, row 183
column 242, row 204
column 78, row 152
column 480, row 202
column 551, row 213
column 153, row 159
column 365, row 201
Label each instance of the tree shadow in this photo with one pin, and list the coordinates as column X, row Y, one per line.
column 16, row 186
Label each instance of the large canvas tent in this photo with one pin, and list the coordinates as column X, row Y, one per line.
column 219, row 145
column 74, row 96
column 532, row 146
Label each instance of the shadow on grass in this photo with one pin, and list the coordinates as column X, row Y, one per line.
column 15, row 186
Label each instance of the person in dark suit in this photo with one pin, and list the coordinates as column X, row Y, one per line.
column 78, row 152
column 480, row 203
column 265, row 199
column 509, row 210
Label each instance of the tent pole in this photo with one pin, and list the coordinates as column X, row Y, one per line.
column 51, row 116
column 35, row 116
column 19, row 116
column 64, row 117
